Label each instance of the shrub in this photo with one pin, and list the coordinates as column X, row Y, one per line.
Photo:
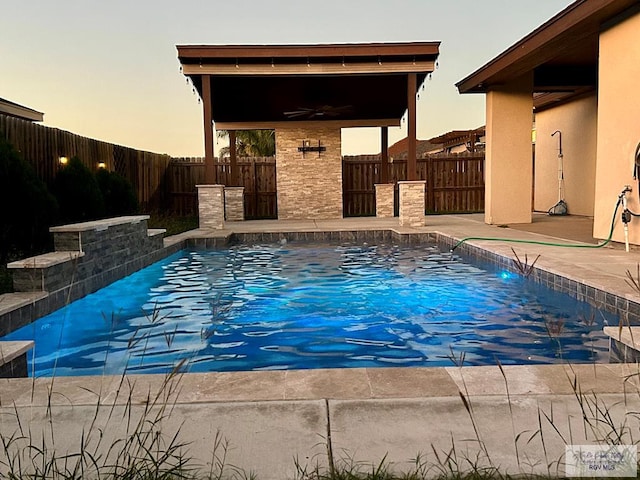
column 28, row 209
column 78, row 193
column 117, row 192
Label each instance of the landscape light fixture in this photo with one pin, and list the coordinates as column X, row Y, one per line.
column 63, row 160
column 102, row 165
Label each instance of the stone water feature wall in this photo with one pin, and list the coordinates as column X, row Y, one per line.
column 309, row 183
column 87, row 257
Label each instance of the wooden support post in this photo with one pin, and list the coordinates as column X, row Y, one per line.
column 233, row 158
column 210, row 174
column 384, row 155
column 412, row 164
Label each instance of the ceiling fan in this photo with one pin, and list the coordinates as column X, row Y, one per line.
column 318, row 112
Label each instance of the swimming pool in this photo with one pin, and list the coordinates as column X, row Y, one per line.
column 290, row 306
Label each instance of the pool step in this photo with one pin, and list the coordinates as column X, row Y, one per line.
column 624, row 344
column 13, row 358
column 44, row 273
column 154, row 232
column 13, row 301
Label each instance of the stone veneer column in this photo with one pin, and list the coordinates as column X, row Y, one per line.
column 234, row 204
column 211, row 206
column 384, row 200
column 412, row 203
column 310, row 184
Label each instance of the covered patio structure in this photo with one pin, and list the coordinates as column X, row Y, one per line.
column 578, row 74
column 307, row 94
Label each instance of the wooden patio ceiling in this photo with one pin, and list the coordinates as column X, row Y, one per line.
column 562, row 54
column 266, row 86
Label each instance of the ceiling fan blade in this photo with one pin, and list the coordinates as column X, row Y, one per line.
column 321, row 111
column 296, row 113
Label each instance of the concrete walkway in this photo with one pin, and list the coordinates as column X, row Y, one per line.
column 273, row 420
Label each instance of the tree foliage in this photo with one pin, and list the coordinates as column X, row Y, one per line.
column 251, row 143
column 27, row 207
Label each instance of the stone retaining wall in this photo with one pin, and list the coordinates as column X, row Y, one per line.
column 88, row 257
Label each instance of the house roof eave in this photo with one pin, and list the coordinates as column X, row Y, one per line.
column 564, row 34
column 13, row 109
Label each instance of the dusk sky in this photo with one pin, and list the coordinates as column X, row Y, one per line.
column 109, row 69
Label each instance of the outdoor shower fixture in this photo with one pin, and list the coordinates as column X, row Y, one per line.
column 559, row 133
column 559, row 208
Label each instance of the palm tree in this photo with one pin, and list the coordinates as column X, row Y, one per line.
column 251, row 143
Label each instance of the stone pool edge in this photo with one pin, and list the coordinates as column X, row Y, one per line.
column 333, row 384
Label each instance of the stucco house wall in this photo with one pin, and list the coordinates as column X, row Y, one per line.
column 618, row 131
column 577, row 121
column 508, row 158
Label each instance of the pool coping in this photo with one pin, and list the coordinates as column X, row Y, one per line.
column 380, row 383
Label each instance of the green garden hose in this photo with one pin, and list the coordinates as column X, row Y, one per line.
column 550, row 244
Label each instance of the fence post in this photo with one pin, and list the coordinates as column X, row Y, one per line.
column 431, row 185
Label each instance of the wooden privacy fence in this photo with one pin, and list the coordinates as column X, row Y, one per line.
column 43, row 146
column 454, row 183
column 257, row 175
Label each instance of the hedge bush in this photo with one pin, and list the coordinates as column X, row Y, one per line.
column 118, row 194
column 27, row 208
column 78, row 193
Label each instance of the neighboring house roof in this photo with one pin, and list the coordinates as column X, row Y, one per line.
column 455, row 138
column 562, row 53
column 437, row 144
column 399, row 149
column 20, row 111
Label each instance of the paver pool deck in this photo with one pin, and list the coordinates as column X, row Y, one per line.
column 272, row 418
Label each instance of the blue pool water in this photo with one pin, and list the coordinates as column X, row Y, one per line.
column 314, row 306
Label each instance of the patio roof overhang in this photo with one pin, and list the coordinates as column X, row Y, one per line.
column 562, row 54
column 13, row 109
column 270, row 86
